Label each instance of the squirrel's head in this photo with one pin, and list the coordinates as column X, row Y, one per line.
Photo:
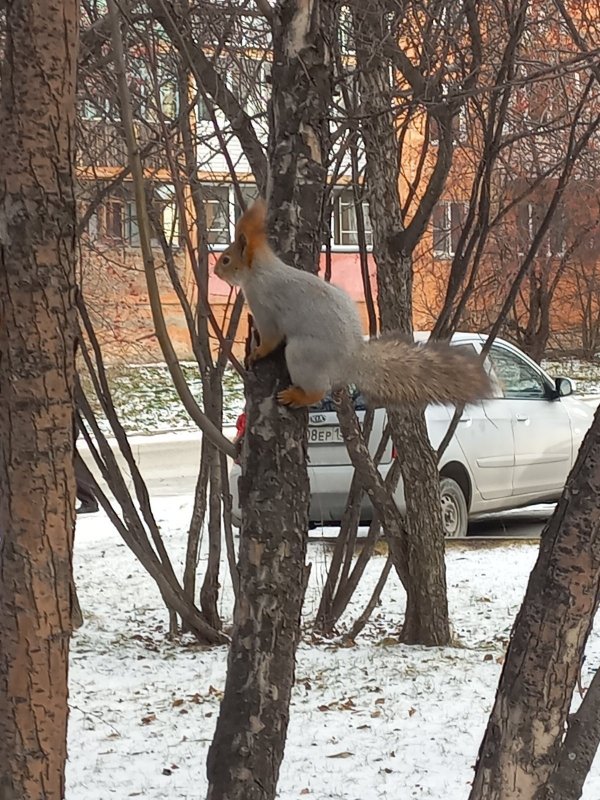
column 250, row 237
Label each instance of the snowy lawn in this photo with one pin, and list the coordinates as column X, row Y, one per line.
column 147, row 402
column 377, row 720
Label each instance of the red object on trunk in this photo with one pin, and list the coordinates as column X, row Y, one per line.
column 240, row 426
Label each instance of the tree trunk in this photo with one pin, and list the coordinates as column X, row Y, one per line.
column 578, row 749
column 246, row 753
column 196, row 527
column 523, row 739
column 209, row 593
column 426, row 618
column 427, row 606
column 37, row 373
column 247, row 750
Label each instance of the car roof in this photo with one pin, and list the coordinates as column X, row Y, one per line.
column 459, row 336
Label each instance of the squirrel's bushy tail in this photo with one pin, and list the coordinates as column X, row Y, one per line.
column 392, row 371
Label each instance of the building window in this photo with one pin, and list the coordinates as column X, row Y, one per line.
column 217, row 206
column 120, row 222
column 169, row 214
column 131, row 235
column 223, row 210
column 345, row 224
column 249, row 194
column 447, row 222
column 116, row 219
column 459, row 128
column 249, row 80
column 113, row 219
column 529, row 219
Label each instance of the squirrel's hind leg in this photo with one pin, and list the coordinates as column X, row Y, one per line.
column 308, row 370
column 297, row 397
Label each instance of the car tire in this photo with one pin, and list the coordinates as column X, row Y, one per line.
column 455, row 514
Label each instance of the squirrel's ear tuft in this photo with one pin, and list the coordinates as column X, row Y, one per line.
column 250, row 230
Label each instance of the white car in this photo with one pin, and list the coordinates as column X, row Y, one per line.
column 512, row 450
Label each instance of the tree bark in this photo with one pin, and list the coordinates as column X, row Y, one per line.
column 247, row 750
column 209, row 593
column 578, row 749
column 426, row 619
column 246, row 753
column 37, row 374
column 525, row 731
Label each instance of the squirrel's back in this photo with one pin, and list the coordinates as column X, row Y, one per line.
column 321, row 328
column 304, row 307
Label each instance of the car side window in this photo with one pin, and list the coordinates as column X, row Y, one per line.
column 514, row 377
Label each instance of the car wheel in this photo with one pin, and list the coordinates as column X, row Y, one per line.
column 455, row 515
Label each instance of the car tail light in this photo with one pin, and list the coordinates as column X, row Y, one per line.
column 240, row 426
column 240, row 430
column 394, row 452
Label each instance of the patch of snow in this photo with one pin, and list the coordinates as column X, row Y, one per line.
column 369, row 722
column 586, row 374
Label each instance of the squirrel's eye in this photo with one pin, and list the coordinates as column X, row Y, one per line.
column 225, row 260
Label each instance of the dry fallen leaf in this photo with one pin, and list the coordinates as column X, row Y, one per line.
column 343, row 754
column 148, row 719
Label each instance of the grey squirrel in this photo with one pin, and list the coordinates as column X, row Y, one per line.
column 324, row 344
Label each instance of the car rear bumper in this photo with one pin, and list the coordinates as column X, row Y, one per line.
column 329, row 492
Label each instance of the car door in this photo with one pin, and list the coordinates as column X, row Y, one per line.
column 485, row 436
column 540, row 423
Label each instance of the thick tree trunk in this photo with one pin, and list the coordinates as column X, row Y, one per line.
column 37, row 369
column 522, row 743
column 427, row 606
column 246, row 754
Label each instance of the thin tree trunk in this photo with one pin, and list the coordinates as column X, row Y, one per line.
column 426, row 619
column 209, row 593
column 37, row 374
column 424, row 575
column 197, row 522
column 246, row 753
column 362, row 620
column 523, row 739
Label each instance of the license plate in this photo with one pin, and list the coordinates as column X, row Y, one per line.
column 326, row 434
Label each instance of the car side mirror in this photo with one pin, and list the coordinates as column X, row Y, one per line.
column 564, row 386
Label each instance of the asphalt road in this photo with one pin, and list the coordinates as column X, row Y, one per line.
column 169, row 463
column 523, row 523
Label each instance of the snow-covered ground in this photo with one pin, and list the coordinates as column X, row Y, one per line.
column 586, row 374
column 377, row 720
